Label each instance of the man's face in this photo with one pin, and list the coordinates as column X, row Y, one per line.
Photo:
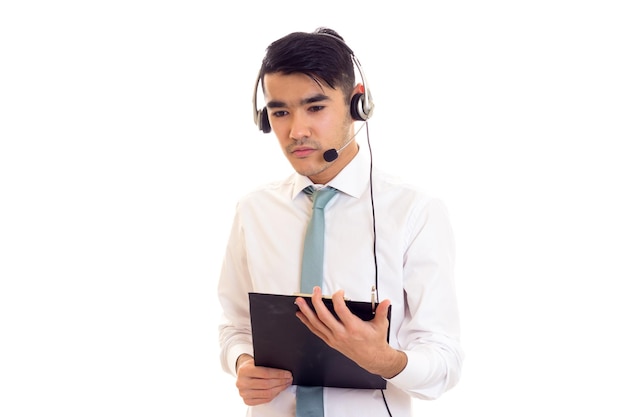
column 308, row 119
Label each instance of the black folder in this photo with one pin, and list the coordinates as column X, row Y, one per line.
column 280, row 340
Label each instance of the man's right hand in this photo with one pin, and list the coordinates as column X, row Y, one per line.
column 257, row 384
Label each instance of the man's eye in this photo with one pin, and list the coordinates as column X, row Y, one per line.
column 279, row 113
column 316, row 108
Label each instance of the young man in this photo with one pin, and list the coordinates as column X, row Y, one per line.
column 378, row 231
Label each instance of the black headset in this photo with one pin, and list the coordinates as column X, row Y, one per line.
column 361, row 104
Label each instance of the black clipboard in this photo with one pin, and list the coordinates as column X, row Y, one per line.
column 280, row 340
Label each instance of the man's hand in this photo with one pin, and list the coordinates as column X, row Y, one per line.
column 365, row 342
column 257, row 384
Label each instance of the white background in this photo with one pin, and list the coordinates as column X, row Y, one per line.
column 126, row 137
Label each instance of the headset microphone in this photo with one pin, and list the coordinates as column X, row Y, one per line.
column 332, row 154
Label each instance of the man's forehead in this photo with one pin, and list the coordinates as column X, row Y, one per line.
column 297, row 88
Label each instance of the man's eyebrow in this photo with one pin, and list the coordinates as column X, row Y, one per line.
column 313, row 99
column 316, row 98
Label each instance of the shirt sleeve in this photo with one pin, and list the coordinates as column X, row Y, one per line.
column 235, row 334
column 430, row 332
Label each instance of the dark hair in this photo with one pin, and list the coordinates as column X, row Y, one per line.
column 322, row 55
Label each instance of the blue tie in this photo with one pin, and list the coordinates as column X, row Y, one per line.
column 310, row 400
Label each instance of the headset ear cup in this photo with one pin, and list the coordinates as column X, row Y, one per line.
column 263, row 121
column 356, row 107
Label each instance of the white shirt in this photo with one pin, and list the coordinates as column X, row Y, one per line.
column 415, row 257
